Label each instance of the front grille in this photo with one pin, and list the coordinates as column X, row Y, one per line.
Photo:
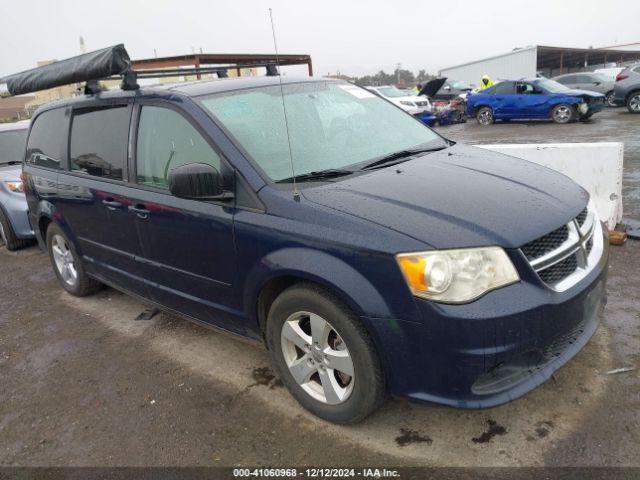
column 546, row 244
column 582, row 216
column 559, row 271
column 566, row 251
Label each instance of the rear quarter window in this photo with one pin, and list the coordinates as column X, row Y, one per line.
column 47, row 139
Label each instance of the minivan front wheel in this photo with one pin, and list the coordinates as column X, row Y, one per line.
column 324, row 355
column 67, row 264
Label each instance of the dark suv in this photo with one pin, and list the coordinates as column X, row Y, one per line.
column 369, row 253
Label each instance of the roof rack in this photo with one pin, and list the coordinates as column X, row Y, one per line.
column 114, row 63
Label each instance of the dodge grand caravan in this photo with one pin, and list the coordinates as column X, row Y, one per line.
column 371, row 255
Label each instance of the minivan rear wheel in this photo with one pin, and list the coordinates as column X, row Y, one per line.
column 324, row 355
column 68, row 265
column 633, row 102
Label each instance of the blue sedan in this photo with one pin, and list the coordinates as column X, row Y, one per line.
column 530, row 99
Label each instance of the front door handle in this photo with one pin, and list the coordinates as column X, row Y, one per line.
column 111, row 204
column 139, row 210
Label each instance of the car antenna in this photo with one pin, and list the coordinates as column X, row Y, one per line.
column 296, row 193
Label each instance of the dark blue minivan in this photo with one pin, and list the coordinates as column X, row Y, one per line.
column 370, row 254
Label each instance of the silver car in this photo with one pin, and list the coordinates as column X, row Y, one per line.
column 627, row 91
column 15, row 230
column 593, row 82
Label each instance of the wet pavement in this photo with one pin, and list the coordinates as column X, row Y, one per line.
column 84, row 383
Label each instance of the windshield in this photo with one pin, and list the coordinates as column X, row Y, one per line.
column 12, row 145
column 550, row 85
column 460, row 85
column 331, row 125
column 391, row 92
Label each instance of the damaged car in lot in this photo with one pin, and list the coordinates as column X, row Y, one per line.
column 334, row 231
column 15, row 231
column 533, row 99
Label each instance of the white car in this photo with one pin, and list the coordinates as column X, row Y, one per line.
column 610, row 73
column 409, row 103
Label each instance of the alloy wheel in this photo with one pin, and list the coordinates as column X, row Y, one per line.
column 634, row 103
column 64, row 261
column 317, row 358
column 485, row 117
column 610, row 99
column 562, row 114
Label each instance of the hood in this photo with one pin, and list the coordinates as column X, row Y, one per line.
column 10, row 172
column 581, row 93
column 408, row 98
column 459, row 197
column 432, row 86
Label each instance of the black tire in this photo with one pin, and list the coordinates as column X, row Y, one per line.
column 563, row 113
column 609, row 99
column 484, row 116
column 368, row 391
column 8, row 235
column 633, row 102
column 83, row 284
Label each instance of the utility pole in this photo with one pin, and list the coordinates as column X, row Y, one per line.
column 398, row 66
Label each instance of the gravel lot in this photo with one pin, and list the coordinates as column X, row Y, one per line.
column 83, row 383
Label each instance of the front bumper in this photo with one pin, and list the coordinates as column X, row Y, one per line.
column 15, row 207
column 493, row 350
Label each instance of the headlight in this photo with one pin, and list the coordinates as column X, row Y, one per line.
column 457, row 276
column 408, row 104
column 15, row 187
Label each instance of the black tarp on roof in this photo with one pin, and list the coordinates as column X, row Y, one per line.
column 89, row 66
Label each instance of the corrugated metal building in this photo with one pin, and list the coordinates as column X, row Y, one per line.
column 545, row 60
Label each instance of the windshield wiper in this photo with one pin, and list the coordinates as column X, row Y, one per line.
column 401, row 155
column 319, row 175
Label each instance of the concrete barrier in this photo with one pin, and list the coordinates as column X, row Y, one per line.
column 597, row 167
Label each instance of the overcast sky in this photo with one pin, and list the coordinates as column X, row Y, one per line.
column 354, row 37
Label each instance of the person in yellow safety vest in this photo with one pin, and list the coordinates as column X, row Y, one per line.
column 485, row 82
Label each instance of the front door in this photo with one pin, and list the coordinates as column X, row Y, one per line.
column 188, row 248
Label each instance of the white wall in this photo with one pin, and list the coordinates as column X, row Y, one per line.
column 597, row 167
column 511, row 66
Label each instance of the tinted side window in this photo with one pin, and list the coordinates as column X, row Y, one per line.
column 99, row 138
column 166, row 140
column 46, row 144
column 567, row 80
column 12, row 145
column 503, row 88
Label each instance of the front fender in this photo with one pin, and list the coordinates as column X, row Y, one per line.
column 319, row 267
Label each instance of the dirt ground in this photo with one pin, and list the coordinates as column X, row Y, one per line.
column 84, row 383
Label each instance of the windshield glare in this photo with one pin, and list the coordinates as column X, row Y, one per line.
column 551, row 85
column 391, row 92
column 12, row 145
column 331, row 125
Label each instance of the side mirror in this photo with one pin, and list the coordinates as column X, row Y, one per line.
column 197, row 181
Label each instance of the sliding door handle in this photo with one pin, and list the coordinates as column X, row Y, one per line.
column 139, row 210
